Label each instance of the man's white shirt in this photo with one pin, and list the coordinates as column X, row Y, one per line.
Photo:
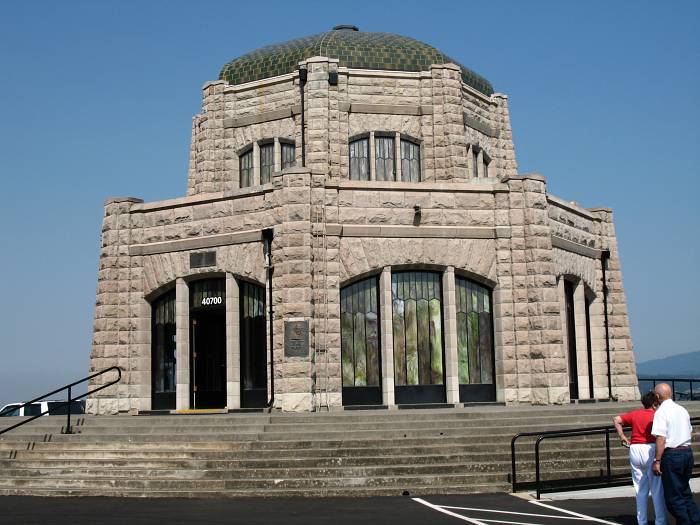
column 672, row 422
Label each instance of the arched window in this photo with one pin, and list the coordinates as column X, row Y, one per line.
column 245, row 168
column 359, row 159
column 417, row 329
column 163, row 352
column 360, row 344
column 474, row 341
column 410, row 161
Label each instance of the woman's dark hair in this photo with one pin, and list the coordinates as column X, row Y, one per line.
column 649, row 399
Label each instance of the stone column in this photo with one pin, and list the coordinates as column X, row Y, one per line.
column 581, row 341
column 372, row 159
column 256, row 164
column 387, row 337
column 278, row 155
column 233, row 347
column 182, row 344
column 211, row 175
column 449, row 303
column 397, row 156
column 448, row 127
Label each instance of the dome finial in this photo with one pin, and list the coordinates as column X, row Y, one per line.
column 345, row 27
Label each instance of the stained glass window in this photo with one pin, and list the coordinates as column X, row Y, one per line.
column 359, row 159
column 267, row 162
column 246, row 169
column 384, row 158
column 417, row 326
column 359, row 326
column 289, row 158
column 474, row 333
column 164, row 344
column 410, row 161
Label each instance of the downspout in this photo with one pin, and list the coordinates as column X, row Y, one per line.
column 302, row 83
column 267, row 235
column 604, row 258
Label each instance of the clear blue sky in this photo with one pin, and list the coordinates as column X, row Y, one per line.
column 96, row 100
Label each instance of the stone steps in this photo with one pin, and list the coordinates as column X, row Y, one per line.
column 353, row 453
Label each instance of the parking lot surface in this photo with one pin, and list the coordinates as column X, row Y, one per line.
column 479, row 509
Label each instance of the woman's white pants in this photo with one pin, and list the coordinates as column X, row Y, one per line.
column 644, row 481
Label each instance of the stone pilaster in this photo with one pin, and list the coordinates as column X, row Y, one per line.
column 624, row 372
column 449, row 302
column 507, row 165
column 292, row 285
column 387, row 337
column 233, row 346
column 317, row 102
column 448, row 127
column 182, row 345
column 210, row 142
column 114, row 322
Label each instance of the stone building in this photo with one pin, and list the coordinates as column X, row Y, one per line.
column 355, row 232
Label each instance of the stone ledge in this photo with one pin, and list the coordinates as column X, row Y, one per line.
column 193, row 200
column 267, row 116
column 196, row 243
column 426, row 232
column 115, row 200
column 479, row 126
column 570, row 206
column 574, row 247
column 387, row 109
column 451, row 187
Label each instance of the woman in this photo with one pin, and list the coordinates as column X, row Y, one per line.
column 642, row 447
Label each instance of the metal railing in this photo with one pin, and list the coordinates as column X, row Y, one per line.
column 608, row 479
column 68, row 429
column 691, row 394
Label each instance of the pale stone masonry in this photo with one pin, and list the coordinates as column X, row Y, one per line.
column 471, row 216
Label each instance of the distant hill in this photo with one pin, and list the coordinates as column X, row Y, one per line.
column 681, row 365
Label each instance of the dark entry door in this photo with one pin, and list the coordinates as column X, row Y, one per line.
column 571, row 339
column 208, row 344
column 253, row 346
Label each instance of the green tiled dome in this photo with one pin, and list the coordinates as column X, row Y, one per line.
column 355, row 49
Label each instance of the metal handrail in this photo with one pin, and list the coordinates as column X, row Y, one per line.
column 69, row 387
column 672, row 381
column 572, row 432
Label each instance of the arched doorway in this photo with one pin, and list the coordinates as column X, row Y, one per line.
column 253, row 346
column 360, row 343
column 417, row 322
column 474, row 342
column 208, row 343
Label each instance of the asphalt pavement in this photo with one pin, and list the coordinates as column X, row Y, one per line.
column 479, row 509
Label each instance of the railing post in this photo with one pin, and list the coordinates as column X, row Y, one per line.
column 512, row 461
column 69, row 430
column 607, row 454
column 537, row 466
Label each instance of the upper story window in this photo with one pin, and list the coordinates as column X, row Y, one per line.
column 479, row 161
column 246, row 168
column 267, row 162
column 359, row 159
column 384, row 158
column 410, row 161
column 289, row 156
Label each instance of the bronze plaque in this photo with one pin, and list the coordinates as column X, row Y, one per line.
column 296, row 339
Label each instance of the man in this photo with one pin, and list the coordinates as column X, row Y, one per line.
column 642, row 449
column 674, row 457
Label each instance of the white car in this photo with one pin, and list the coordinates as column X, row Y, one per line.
column 54, row 408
